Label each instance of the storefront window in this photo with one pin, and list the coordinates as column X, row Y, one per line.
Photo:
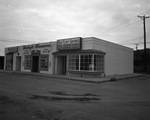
column 73, row 62
column 87, row 62
column 27, row 62
column 98, row 63
column 44, row 62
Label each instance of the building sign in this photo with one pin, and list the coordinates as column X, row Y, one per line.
column 35, row 52
column 28, row 47
column 46, row 51
column 27, row 52
column 70, row 43
column 12, row 50
column 44, row 45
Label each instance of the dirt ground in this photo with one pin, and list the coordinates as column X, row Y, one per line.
column 25, row 97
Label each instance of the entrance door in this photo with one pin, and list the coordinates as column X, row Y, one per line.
column 61, row 65
column 18, row 63
column 35, row 63
column 64, row 65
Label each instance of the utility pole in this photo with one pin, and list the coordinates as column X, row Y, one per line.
column 144, row 28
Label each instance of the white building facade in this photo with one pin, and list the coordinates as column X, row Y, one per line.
column 83, row 57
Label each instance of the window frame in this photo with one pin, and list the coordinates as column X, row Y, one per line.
column 85, row 62
column 9, row 61
column 73, row 64
column 44, row 63
column 27, row 59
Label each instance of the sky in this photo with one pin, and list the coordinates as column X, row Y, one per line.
column 35, row 21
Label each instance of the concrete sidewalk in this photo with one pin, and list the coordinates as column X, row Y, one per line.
column 81, row 79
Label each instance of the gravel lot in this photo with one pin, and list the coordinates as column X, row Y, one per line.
column 24, row 97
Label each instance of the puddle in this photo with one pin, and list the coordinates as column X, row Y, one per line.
column 5, row 100
column 66, row 94
column 63, row 96
column 55, row 98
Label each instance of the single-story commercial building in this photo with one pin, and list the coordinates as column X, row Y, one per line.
column 84, row 57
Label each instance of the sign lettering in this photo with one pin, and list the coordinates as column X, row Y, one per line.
column 36, row 46
column 70, row 43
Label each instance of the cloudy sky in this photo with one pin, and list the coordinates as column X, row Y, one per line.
column 35, row 21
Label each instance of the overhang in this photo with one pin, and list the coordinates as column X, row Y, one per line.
column 88, row 51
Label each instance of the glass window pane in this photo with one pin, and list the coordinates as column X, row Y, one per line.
column 73, row 62
column 44, row 62
column 85, row 62
column 98, row 62
column 27, row 62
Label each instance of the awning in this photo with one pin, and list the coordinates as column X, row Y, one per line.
column 88, row 51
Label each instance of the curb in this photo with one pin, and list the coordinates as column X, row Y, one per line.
column 58, row 77
column 97, row 80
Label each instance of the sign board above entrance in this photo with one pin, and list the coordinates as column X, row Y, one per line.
column 12, row 50
column 69, row 43
column 45, row 45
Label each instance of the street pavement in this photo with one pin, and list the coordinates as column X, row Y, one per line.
column 39, row 97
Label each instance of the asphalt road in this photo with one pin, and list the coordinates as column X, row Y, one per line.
column 24, row 97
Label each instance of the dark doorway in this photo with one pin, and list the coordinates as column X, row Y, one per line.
column 9, row 61
column 1, row 62
column 61, row 65
column 18, row 63
column 64, row 62
column 35, row 63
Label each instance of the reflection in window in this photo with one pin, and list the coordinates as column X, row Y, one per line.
column 44, row 62
column 27, row 62
column 73, row 62
column 86, row 62
column 98, row 63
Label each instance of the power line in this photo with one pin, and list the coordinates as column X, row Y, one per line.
column 145, row 12
column 135, row 38
column 144, row 28
column 133, row 43
column 124, row 24
column 137, row 44
column 126, row 21
column 121, row 28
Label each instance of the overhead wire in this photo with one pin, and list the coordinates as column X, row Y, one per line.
column 120, row 24
column 120, row 28
column 114, row 29
column 125, row 24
